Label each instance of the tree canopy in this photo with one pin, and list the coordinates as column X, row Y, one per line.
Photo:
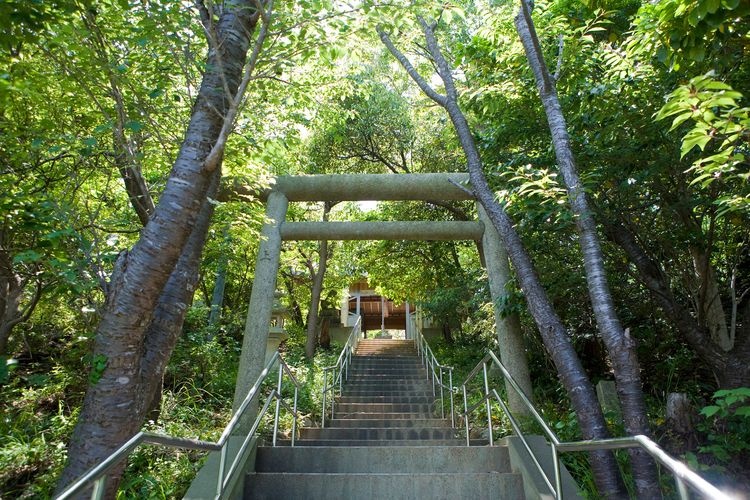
column 100, row 126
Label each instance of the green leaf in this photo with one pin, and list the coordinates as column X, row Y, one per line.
column 695, row 137
column 27, row 256
column 710, row 411
column 135, row 126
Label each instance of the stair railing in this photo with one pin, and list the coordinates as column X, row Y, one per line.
column 339, row 372
column 435, row 373
column 95, row 478
column 683, row 476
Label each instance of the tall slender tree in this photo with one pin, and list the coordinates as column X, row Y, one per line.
column 621, row 346
column 554, row 334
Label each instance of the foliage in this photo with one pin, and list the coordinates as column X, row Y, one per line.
column 718, row 121
column 727, row 425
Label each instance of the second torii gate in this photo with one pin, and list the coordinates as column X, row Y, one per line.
column 380, row 187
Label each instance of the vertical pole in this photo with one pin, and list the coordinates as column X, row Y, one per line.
column 442, row 406
column 333, row 391
column 466, row 414
column 359, row 301
column 407, row 329
column 487, row 401
column 558, row 475
column 97, row 493
column 222, row 467
column 509, row 339
column 294, row 416
column 325, row 391
column 382, row 315
column 252, row 358
column 450, row 384
column 278, row 402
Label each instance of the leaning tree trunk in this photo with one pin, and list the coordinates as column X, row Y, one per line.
column 553, row 332
column 732, row 368
column 169, row 316
column 620, row 345
column 140, row 275
column 317, row 289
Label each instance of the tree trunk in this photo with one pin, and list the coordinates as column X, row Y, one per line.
column 325, row 333
column 10, row 302
column 217, row 298
column 620, row 346
column 112, row 403
column 710, row 310
column 12, row 288
column 317, row 289
column 555, row 337
column 169, row 316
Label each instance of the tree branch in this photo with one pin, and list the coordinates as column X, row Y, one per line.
column 214, row 157
column 560, row 47
column 444, row 69
column 426, row 88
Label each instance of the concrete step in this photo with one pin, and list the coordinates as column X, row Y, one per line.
column 418, row 459
column 383, row 486
column 416, row 370
column 387, row 357
column 386, row 392
column 378, row 433
column 406, row 398
column 372, row 442
column 385, row 377
column 387, row 360
column 404, row 422
column 380, row 416
column 397, row 384
column 383, row 407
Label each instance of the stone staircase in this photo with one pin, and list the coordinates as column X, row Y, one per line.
column 384, row 443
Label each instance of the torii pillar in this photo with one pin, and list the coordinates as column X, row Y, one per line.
column 509, row 339
column 252, row 359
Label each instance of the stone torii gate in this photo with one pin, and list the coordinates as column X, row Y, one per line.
column 380, row 187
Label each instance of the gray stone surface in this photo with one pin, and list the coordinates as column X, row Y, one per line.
column 411, row 230
column 509, row 339
column 252, row 358
column 204, row 485
column 533, row 484
column 355, row 187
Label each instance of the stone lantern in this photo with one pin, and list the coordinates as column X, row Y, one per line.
column 276, row 332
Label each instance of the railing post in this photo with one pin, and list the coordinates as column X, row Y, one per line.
column 333, row 391
column 466, row 414
column 681, row 488
column 100, row 485
column 222, row 466
column 325, row 390
column 442, row 405
column 278, row 402
column 558, row 475
column 450, row 383
column 294, row 415
column 489, row 404
column 431, row 374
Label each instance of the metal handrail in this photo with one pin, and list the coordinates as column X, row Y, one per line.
column 682, row 474
column 431, row 363
column 95, row 477
column 340, row 370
